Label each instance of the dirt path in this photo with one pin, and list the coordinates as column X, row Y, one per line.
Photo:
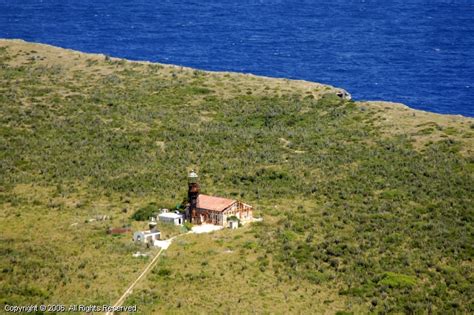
column 134, row 283
column 143, row 274
column 197, row 229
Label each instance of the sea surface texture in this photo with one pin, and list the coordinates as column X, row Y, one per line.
column 418, row 52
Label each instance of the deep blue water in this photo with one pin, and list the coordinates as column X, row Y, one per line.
column 418, row 52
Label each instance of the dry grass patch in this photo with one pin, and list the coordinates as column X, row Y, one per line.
column 422, row 127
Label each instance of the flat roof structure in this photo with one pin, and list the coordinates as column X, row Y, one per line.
column 170, row 215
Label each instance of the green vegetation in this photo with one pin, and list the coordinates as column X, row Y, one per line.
column 394, row 280
column 356, row 218
column 188, row 226
column 145, row 213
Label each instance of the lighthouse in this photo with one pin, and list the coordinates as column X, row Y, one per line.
column 193, row 194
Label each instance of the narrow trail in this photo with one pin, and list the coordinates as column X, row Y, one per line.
column 144, row 272
column 197, row 229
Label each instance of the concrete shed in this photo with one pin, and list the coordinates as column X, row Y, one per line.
column 147, row 237
column 171, row 217
column 233, row 224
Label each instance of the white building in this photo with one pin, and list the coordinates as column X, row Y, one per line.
column 233, row 224
column 171, row 217
column 149, row 236
column 146, row 236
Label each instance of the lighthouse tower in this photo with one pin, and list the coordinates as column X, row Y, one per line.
column 193, row 193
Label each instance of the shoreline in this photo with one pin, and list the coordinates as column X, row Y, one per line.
column 377, row 103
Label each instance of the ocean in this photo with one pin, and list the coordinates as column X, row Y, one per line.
column 417, row 52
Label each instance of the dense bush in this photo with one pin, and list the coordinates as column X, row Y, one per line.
column 390, row 225
column 145, row 213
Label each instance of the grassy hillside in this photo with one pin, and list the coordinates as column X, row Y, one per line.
column 367, row 206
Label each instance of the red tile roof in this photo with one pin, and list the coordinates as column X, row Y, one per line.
column 213, row 203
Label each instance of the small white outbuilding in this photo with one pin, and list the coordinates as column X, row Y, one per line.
column 146, row 236
column 149, row 236
column 233, row 224
column 171, row 217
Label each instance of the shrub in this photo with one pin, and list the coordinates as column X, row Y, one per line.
column 396, row 280
column 144, row 214
column 164, row 272
column 188, row 226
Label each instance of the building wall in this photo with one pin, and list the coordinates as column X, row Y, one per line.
column 141, row 236
column 215, row 217
column 238, row 209
column 233, row 224
column 170, row 220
